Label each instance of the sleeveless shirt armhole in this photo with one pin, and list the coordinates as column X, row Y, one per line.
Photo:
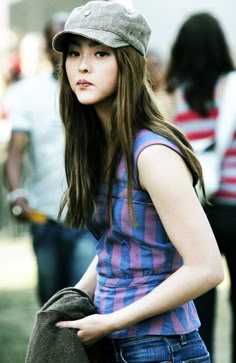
column 144, row 139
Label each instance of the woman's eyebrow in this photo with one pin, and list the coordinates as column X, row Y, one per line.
column 91, row 44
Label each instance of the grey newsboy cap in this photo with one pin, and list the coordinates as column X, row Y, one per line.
column 109, row 23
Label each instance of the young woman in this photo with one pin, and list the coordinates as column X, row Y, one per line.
column 131, row 178
column 201, row 80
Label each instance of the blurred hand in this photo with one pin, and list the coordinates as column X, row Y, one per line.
column 90, row 329
column 21, row 210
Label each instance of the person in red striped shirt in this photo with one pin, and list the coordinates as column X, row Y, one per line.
column 199, row 72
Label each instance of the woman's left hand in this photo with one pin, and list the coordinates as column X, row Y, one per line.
column 90, row 329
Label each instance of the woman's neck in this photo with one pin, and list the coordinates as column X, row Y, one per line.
column 104, row 111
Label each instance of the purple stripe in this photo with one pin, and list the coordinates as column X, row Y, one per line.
column 157, row 324
column 149, row 233
column 101, row 257
column 150, row 237
column 125, row 224
column 135, row 256
column 116, row 259
column 186, row 308
column 121, row 169
column 139, row 294
column 134, row 249
column 115, row 255
column 119, row 299
column 102, row 296
column 102, row 292
column 177, row 261
column 177, row 324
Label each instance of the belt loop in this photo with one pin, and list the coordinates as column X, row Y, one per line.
column 183, row 339
column 115, row 350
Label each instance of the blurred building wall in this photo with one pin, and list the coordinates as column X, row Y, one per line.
column 31, row 15
column 4, row 19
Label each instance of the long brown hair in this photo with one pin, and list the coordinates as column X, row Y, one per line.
column 134, row 108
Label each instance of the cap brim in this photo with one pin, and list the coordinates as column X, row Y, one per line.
column 104, row 37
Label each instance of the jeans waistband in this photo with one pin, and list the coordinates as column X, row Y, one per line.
column 171, row 339
column 183, row 338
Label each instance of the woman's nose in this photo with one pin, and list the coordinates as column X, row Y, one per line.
column 84, row 65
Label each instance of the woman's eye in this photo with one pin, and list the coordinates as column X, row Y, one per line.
column 101, row 54
column 73, row 53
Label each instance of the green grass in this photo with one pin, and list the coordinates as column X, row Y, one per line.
column 17, row 313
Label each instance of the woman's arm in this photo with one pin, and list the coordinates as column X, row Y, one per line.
column 13, row 173
column 164, row 175
column 88, row 281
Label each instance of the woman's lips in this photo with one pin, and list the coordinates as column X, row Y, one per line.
column 83, row 83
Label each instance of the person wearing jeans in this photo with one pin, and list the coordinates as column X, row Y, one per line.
column 37, row 130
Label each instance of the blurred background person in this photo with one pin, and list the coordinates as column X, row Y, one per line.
column 32, row 54
column 10, row 58
column 156, row 69
column 198, row 78
column 10, row 67
column 62, row 254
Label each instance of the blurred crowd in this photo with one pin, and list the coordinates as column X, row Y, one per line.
column 30, row 107
column 182, row 99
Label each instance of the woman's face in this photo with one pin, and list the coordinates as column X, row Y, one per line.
column 92, row 71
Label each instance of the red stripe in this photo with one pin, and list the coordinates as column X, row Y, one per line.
column 225, row 194
column 229, row 164
column 199, row 135
column 229, row 180
column 230, row 152
column 193, row 115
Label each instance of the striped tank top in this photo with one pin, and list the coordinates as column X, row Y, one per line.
column 197, row 128
column 133, row 260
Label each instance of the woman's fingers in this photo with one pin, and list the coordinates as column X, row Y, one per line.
column 67, row 324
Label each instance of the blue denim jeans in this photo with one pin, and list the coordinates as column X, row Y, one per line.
column 187, row 348
column 62, row 256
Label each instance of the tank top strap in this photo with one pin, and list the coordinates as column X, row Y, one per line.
column 143, row 139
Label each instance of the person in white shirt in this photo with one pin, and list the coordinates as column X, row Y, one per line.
column 62, row 253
